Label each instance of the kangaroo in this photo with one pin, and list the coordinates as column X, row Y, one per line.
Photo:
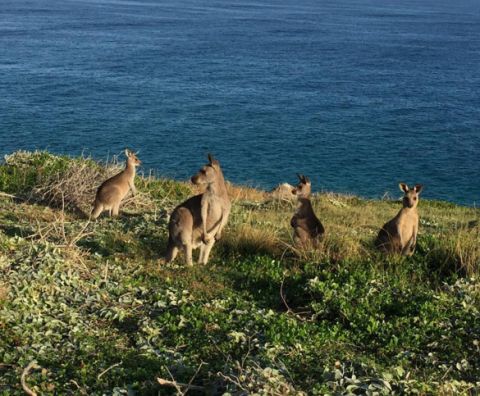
column 112, row 191
column 199, row 221
column 307, row 228
column 399, row 235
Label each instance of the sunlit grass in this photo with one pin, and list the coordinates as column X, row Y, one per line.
column 263, row 316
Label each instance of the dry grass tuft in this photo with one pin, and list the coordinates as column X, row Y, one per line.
column 242, row 193
column 61, row 181
column 3, row 292
column 449, row 236
column 75, row 187
column 246, row 239
column 463, row 248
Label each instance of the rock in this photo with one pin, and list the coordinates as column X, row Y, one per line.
column 283, row 192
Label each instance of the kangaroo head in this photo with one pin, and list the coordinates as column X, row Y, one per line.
column 410, row 199
column 304, row 188
column 208, row 173
column 132, row 158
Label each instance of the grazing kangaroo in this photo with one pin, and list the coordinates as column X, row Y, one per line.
column 399, row 235
column 199, row 221
column 112, row 191
column 307, row 228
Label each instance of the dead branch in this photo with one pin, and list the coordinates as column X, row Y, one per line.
column 194, row 375
column 179, row 385
column 282, row 296
column 81, row 234
column 289, row 310
column 232, row 379
column 73, row 188
column 4, row 194
column 80, row 389
column 108, row 369
column 23, row 379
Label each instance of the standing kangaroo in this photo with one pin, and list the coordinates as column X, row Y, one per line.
column 307, row 228
column 399, row 235
column 112, row 191
column 199, row 221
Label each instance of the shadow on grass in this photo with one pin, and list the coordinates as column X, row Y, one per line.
column 133, row 235
column 14, row 231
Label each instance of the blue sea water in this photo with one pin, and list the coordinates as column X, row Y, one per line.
column 356, row 94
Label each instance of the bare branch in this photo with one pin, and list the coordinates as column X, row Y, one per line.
column 178, row 385
column 108, row 369
column 193, row 377
column 80, row 389
column 3, row 194
column 23, row 379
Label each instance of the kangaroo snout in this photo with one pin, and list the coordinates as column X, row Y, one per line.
column 197, row 179
column 206, row 175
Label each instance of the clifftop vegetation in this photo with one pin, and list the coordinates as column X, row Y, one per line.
column 94, row 306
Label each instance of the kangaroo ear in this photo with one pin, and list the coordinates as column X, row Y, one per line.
column 403, row 187
column 213, row 162
column 418, row 188
column 306, row 179
column 302, row 178
column 127, row 152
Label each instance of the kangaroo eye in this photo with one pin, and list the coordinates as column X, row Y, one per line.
column 414, row 198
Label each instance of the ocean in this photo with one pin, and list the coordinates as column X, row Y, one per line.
column 359, row 95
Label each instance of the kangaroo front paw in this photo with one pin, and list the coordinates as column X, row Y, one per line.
column 206, row 239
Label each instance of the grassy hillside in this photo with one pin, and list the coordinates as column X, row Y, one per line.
column 100, row 313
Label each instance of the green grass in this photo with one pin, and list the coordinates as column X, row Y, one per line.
column 23, row 170
column 105, row 316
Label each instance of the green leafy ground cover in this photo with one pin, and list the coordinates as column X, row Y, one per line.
column 102, row 314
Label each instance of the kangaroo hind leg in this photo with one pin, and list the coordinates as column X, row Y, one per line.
column 187, row 249
column 206, row 251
